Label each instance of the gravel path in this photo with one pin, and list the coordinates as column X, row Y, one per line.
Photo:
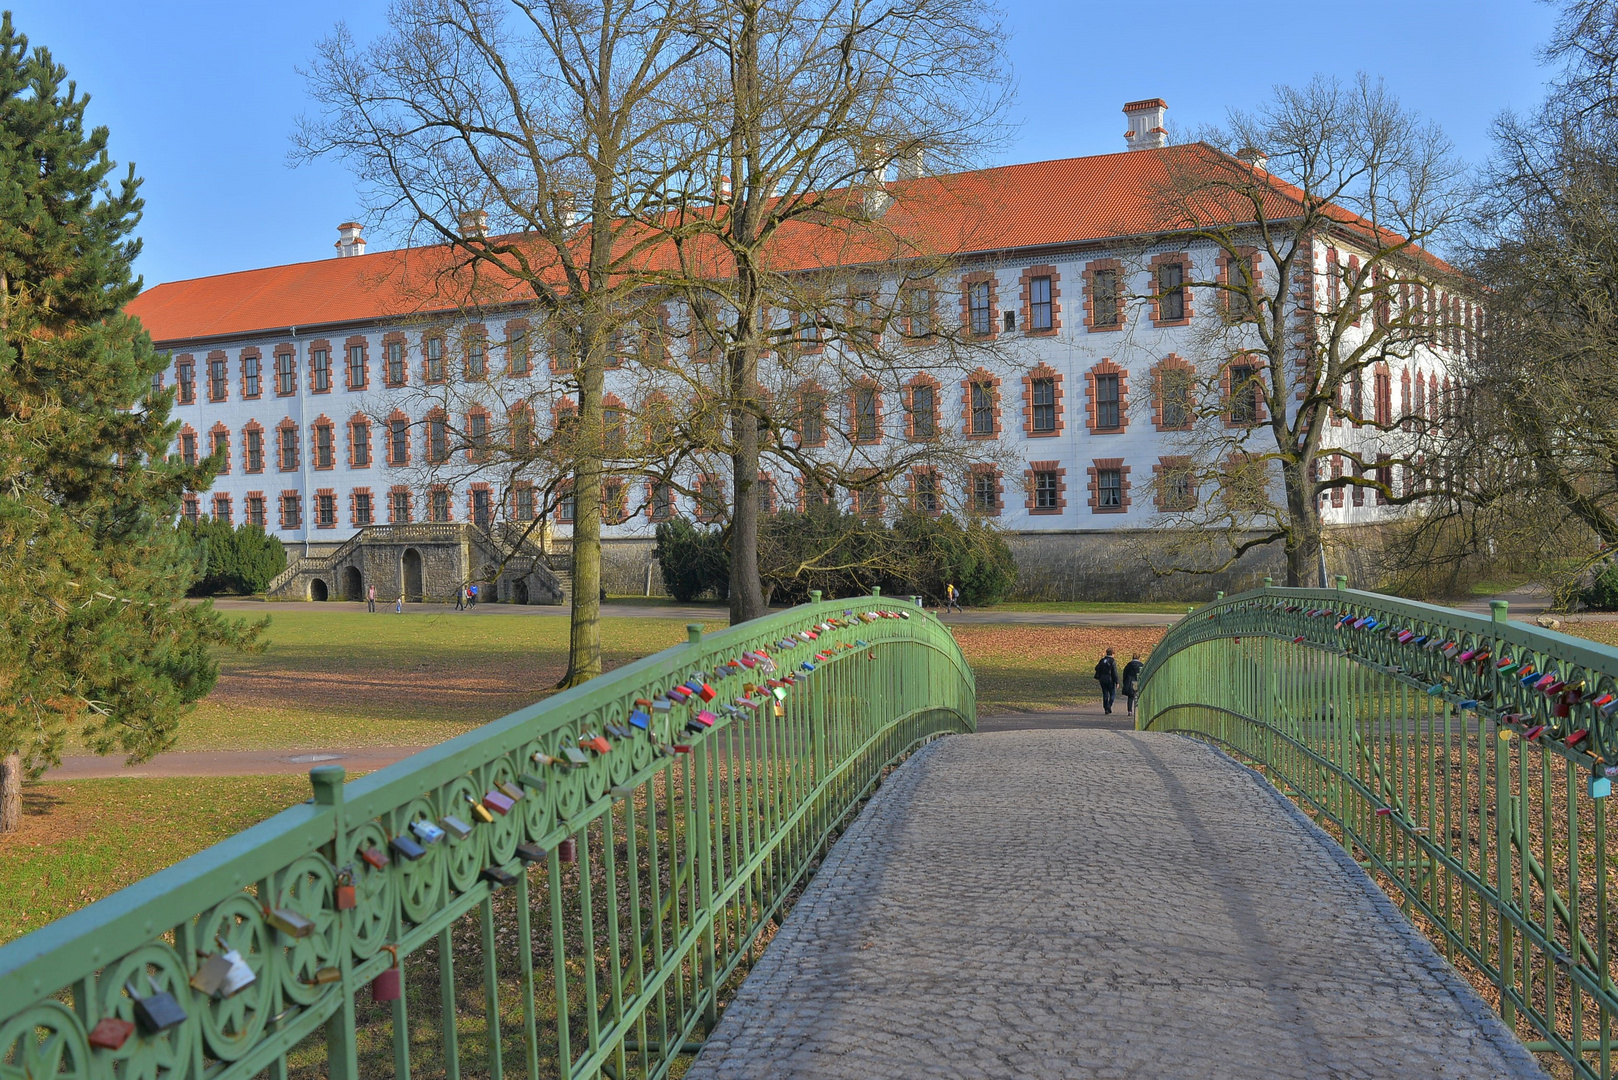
column 1097, row 903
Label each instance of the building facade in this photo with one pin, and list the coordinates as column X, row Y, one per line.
column 319, row 384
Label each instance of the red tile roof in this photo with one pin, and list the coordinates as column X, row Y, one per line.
column 1073, row 200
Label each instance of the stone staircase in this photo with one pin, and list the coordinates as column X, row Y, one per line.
column 521, row 566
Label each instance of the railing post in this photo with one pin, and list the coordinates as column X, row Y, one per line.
column 1342, row 582
column 1269, row 582
column 814, row 596
column 1220, row 595
column 342, row 1053
column 1497, row 611
column 876, row 590
column 693, row 633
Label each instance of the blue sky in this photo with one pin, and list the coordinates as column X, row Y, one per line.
column 202, row 96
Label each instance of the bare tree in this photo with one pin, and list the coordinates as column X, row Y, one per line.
column 808, row 105
column 1535, row 469
column 1306, row 225
column 530, row 138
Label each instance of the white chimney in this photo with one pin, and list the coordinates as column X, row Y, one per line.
column 474, row 223
column 1253, row 156
column 1146, row 131
column 349, row 240
column 912, row 163
column 724, row 189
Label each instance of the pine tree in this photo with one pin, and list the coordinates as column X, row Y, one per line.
column 95, row 638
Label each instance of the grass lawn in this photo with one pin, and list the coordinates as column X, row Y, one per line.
column 80, row 841
column 343, row 679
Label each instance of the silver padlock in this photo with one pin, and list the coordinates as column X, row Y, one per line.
column 239, row 977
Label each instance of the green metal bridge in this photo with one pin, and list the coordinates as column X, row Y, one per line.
column 643, row 836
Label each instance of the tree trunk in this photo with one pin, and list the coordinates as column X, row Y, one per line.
column 1303, row 526
column 10, row 793
column 584, row 629
column 746, row 590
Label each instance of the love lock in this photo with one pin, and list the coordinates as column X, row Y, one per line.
column 344, row 895
column 157, row 1012
column 1600, row 784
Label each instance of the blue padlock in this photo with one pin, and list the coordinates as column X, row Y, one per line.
column 1436, row 689
column 1599, row 787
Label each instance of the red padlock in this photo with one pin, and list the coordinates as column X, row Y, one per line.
column 568, row 850
column 110, row 1033
column 389, row 985
column 346, row 897
column 376, row 858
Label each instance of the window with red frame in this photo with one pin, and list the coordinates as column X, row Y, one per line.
column 522, row 503
column 185, row 375
column 985, row 492
column 710, row 498
column 319, row 370
column 326, row 510
column 287, row 448
column 435, row 359
column 924, row 492
column 923, row 411
column 438, row 504
column 192, row 508
column 286, row 374
column 188, row 447
column 362, row 508
column 325, row 438
column 218, row 379
column 359, row 433
column 255, row 510
column 291, row 510
column 254, row 440
column 662, row 501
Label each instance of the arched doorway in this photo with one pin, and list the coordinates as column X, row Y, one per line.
column 353, row 587
column 411, row 565
column 317, row 590
column 519, row 591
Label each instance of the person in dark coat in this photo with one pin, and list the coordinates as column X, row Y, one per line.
column 1107, row 676
column 1131, row 681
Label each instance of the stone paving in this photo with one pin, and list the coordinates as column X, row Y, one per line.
column 1093, row 903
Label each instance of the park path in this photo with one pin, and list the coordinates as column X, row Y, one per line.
column 1089, row 903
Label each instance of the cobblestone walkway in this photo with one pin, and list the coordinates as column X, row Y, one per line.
column 1097, row 904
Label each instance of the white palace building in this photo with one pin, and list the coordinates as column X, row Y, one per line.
column 306, row 378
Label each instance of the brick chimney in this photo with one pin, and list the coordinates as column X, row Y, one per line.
column 349, row 240
column 1146, row 131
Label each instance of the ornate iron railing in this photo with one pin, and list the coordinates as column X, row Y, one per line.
column 645, row 868
column 1461, row 758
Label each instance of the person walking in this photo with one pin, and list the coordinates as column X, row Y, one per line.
column 472, row 596
column 370, row 598
column 460, row 597
column 952, row 597
column 1107, row 676
column 398, row 607
column 1131, row 682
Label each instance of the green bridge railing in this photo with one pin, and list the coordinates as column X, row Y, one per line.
column 1461, row 758
column 641, row 844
